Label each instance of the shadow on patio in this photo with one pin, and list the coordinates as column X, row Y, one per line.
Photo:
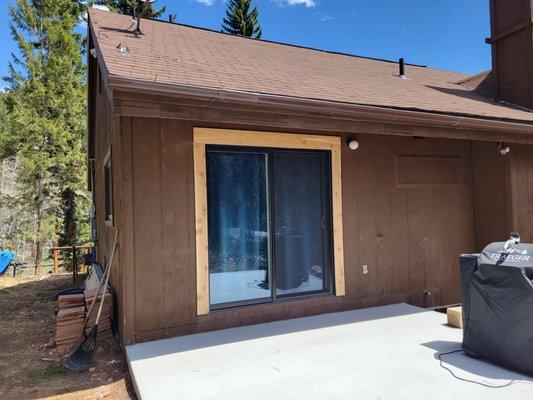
column 466, row 367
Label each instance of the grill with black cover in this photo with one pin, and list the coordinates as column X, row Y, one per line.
column 497, row 296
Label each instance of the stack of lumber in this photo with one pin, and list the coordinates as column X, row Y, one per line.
column 104, row 325
column 69, row 321
column 70, row 301
column 73, row 310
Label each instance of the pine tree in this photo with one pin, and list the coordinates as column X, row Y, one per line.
column 46, row 108
column 240, row 20
column 128, row 7
column 9, row 228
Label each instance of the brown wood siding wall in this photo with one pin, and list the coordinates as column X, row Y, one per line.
column 521, row 186
column 503, row 193
column 512, row 50
column 107, row 130
column 409, row 236
column 162, row 228
column 491, row 175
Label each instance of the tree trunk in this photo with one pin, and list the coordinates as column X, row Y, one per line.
column 69, row 217
column 38, row 256
column 69, row 234
column 39, row 211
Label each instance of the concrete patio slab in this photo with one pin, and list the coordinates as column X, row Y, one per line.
column 377, row 353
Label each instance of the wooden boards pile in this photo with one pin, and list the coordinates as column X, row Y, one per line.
column 69, row 321
column 70, row 301
column 70, row 318
column 104, row 325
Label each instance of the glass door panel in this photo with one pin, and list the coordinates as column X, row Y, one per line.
column 301, row 213
column 238, row 221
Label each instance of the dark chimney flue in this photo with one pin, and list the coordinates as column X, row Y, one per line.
column 512, row 51
column 402, row 68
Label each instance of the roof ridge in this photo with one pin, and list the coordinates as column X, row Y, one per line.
column 271, row 41
column 473, row 77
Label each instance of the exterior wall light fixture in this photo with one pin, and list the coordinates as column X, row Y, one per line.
column 352, row 143
column 504, row 149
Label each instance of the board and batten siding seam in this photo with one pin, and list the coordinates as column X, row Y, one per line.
column 127, row 249
column 206, row 136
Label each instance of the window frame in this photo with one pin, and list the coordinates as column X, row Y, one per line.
column 202, row 137
column 270, row 153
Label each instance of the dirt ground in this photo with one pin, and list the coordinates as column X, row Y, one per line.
column 30, row 367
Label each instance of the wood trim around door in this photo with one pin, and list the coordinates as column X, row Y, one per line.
column 209, row 136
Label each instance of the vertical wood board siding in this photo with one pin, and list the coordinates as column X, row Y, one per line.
column 107, row 140
column 521, row 187
column 409, row 237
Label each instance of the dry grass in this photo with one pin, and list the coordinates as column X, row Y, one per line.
column 30, row 367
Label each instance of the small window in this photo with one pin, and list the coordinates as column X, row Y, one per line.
column 108, row 190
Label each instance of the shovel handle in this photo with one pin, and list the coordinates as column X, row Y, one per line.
column 104, row 278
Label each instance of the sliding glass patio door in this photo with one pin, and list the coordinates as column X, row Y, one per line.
column 269, row 229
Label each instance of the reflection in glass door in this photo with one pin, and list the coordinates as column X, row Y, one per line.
column 239, row 259
column 301, row 219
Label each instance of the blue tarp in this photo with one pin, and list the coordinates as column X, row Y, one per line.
column 5, row 259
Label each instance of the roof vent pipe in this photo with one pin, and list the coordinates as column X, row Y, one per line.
column 402, row 68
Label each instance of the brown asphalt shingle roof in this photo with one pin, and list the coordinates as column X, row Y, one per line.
column 182, row 55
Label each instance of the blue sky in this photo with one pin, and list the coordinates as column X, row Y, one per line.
column 447, row 34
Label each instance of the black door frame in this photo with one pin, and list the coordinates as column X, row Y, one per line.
column 328, row 237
